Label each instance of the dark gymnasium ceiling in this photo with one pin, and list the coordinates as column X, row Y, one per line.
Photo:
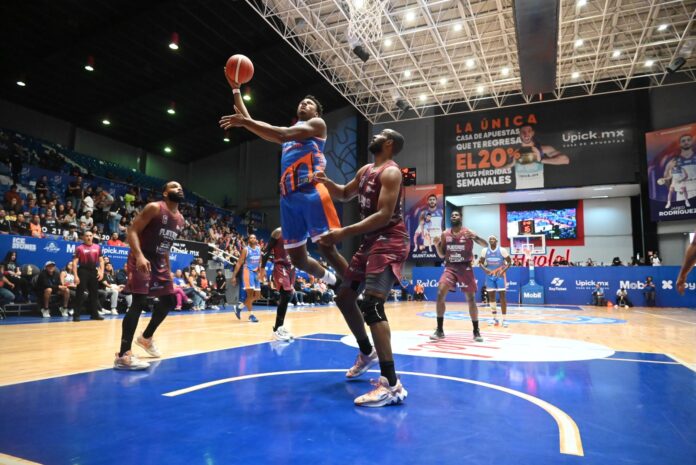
column 136, row 75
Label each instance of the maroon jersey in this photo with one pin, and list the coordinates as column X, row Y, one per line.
column 369, row 188
column 160, row 233
column 280, row 255
column 88, row 255
column 458, row 247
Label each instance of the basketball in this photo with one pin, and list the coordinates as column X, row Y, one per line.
column 239, row 69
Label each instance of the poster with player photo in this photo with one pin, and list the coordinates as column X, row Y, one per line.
column 672, row 173
column 423, row 213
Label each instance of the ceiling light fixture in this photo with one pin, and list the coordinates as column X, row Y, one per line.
column 407, row 73
column 89, row 66
column 422, row 97
column 649, row 63
column 579, row 43
column 581, row 3
column 247, row 97
column 410, row 16
column 443, row 81
column 505, row 71
column 457, row 27
column 106, row 122
column 21, row 83
column 480, row 89
column 387, row 42
column 575, row 75
column 616, row 54
column 470, row 63
column 168, row 149
column 172, row 109
column 662, row 27
column 174, row 42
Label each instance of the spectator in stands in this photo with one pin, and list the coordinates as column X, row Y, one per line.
column 179, row 293
column 649, row 291
column 14, row 208
column 71, row 233
column 6, row 295
column 67, row 279
column 10, row 195
column 220, row 289
column 47, row 284
column 656, row 260
column 616, row 261
column 129, row 199
column 598, row 295
column 87, row 219
column 5, row 224
column 22, row 225
column 60, row 214
column 122, row 226
column 418, row 292
column 35, row 227
column 115, row 241
column 41, row 187
column 622, row 298
column 70, row 216
column 19, row 285
column 589, row 262
column 74, row 193
column 16, row 163
column 110, row 288
column 198, row 295
column 50, row 221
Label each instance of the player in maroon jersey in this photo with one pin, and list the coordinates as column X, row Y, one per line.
column 456, row 246
column 283, row 278
column 376, row 265
column 150, row 237
column 89, row 263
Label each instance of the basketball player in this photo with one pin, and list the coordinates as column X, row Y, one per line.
column 252, row 274
column 689, row 261
column 376, row 265
column 495, row 261
column 284, row 280
column 306, row 210
column 529, row 167
column 89, row 263
column 150, row 237
column 456, row 246
column 681, row 171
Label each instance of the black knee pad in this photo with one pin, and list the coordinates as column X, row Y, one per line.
column 372, row 309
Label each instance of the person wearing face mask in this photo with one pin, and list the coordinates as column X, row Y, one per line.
column 150, row 236
column 456, row 246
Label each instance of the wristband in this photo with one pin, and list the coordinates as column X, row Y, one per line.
column 235, row 91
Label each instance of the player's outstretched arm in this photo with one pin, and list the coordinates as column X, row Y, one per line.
column 237, row 95
column 342, row 192
column 315, row 127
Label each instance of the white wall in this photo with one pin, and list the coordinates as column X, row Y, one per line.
column 673, row 237
column 34, row 124
column 107, row 149
column 161, row 167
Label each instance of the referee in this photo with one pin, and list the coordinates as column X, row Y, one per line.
column 89, row 263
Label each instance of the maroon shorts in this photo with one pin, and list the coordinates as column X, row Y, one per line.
column 284, row 276
column 158, row 282
column 375, row 256
column 459, row 274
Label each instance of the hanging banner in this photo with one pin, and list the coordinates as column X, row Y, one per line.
column 672, row 173
column 559, row 144
column 424, row 215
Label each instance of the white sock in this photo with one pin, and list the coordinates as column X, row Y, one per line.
column 329, row 278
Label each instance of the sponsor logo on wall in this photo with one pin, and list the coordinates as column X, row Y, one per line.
column 52, row 248
column 20, row 243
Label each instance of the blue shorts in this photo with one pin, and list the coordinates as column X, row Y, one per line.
column 496, row 283
column 250, row 280
column 307, row 212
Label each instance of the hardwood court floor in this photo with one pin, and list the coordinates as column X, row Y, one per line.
column 54, row 348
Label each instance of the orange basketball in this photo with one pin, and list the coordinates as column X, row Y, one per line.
column 239, row 69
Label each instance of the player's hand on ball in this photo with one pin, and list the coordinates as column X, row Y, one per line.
column 233, row 84
column 142, row 264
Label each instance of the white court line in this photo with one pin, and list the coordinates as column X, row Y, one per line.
column 568, row 432
column 318, row 339
column 690, row 366
column 665, row 317
column 636, row 360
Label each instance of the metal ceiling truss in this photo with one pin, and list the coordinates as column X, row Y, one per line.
column 439, row 57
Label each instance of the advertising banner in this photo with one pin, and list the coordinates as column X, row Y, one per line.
column 424, row 215
column 672, row 173
column 37, row 252
column 574, row 285
column 557, row 144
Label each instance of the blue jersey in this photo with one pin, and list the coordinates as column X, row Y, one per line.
column 253, row 258
column 494, row 258
column 299, row 161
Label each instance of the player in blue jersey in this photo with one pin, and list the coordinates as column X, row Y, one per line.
column 306, row 209
column 495, row 260
column 252, row 275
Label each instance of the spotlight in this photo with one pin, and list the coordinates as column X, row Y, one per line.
column 575, row 75
column 247, row 97
column 168, row 149
column 422, row 97
column 579, row 43
column 616, row 54
column 106, row 122
column 505, row 71
column 361, row 52
column 470, row 63
column 174, row 42
column 662, row 27
column 387, row 42
column 225, row 139
column 172, row 109
column 675, row 65
column 410, row 16
column 21, row 83
column 407, row 73
column 90, row 64
column 480, row 89
column 457, row 27
column 649, row 63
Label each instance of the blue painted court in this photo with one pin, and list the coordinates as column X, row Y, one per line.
column 290, row 403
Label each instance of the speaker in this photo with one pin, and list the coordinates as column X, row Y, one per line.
column 676, row 64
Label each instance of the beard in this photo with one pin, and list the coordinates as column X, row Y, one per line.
column 456, row 223
column 175, row 197
column 375, row 147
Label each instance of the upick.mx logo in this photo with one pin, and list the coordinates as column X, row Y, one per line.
column 667, row 284
column 557, row 282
